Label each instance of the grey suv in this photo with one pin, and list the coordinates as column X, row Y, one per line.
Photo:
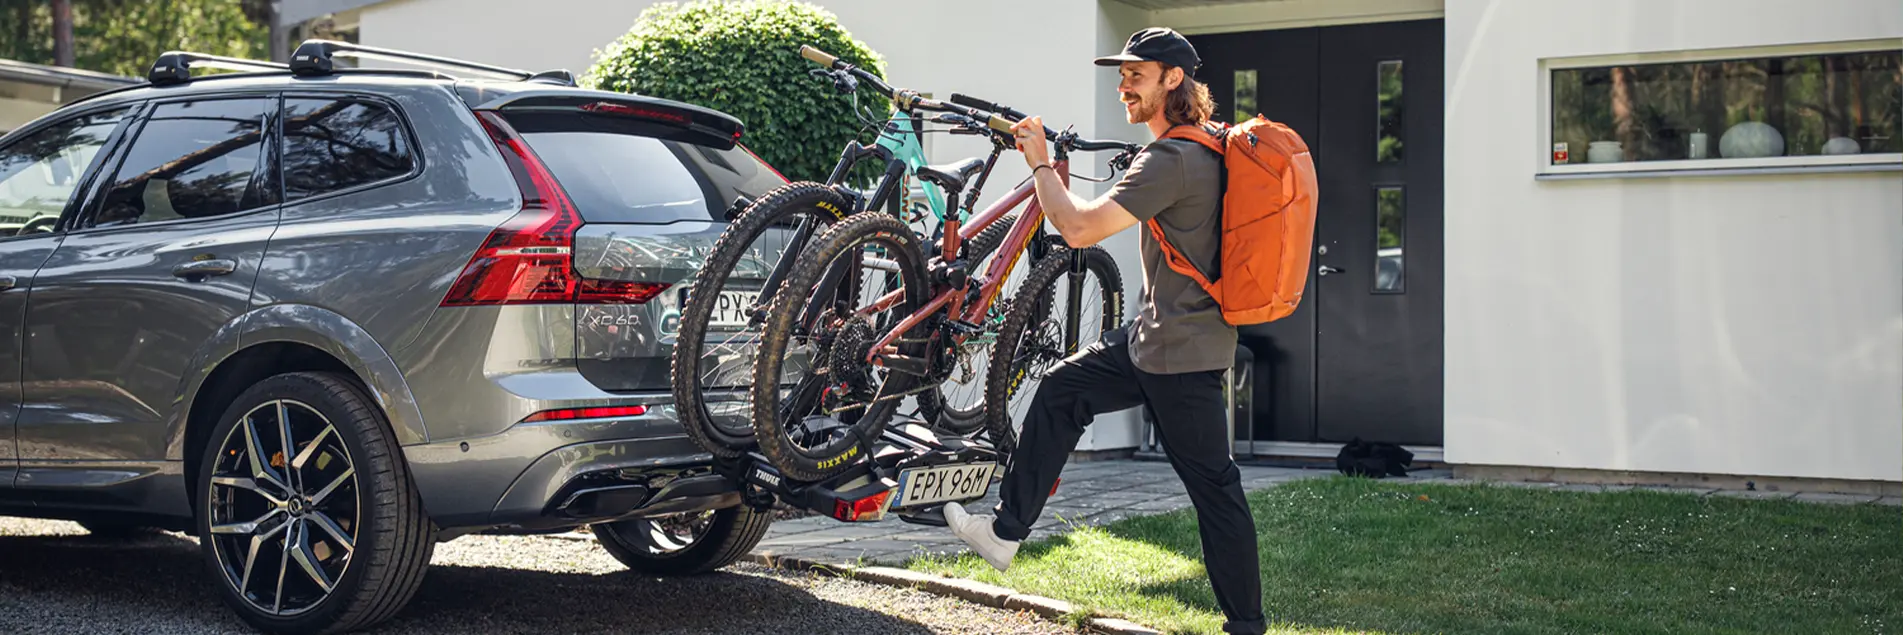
column 324, row 318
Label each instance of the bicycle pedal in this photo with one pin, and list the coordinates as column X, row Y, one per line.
column 908, row 365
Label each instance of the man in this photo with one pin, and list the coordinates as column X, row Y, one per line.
column 1172, row 358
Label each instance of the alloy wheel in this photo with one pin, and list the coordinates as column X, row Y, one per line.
column 284, row 509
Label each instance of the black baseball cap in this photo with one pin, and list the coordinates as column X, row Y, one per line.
column 1156, row 44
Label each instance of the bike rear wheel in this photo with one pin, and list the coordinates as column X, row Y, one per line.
column 714, row 357
column 1069, row 300
column 958, row 405
column 819, row 332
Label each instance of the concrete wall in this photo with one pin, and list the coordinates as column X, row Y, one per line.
column 1731, row 325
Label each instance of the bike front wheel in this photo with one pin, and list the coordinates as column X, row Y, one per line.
column 818, row 402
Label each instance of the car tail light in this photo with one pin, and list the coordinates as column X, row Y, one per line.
column 530, row 258
column 587, row 413
column 867, row 509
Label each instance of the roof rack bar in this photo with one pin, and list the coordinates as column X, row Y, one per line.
column 313, row 57
column 175, row 67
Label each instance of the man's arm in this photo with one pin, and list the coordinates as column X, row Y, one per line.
column 1154, row 182
column 1082, row 223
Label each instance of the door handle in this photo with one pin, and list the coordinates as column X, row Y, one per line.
column 1325, row 270
column 200, row 269
column 7, row 282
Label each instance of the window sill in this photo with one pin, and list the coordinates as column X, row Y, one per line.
column 1723, row 167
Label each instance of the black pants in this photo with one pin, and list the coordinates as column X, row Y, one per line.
column 1190, row 420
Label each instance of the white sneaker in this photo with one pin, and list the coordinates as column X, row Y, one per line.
column 976, row 531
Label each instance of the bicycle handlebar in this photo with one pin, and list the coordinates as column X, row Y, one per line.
column 998, row 118
column 1018, row 115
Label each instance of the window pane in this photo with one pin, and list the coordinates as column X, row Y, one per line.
column 332, row 145
column 1390, row 234
column 1245, row 106
column 39, row 173
column 195, row 163
column 624, row 178
column 1780, row 106
column 1387, row 148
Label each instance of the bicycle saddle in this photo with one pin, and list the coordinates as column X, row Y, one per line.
column 951, row 176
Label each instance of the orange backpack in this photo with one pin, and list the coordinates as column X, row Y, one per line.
column 1268, row 220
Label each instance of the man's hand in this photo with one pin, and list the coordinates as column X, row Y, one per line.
column 1030, row 134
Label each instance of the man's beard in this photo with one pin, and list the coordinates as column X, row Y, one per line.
column 1147, row 107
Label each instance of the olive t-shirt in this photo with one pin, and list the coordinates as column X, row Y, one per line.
column 1178, row 327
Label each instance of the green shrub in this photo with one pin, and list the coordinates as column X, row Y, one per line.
column 742, row 58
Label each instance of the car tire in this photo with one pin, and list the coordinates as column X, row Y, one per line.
column 349, row 543
column 727, row 535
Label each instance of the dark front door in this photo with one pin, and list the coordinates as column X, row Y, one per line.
column 1363, row 355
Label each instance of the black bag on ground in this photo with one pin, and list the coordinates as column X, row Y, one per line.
column 1378, row 460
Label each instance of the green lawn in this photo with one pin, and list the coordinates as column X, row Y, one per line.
column 1364, row 556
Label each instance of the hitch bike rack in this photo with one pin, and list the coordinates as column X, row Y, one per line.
column 910, row 471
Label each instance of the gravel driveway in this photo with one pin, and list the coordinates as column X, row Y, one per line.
column 56, row 579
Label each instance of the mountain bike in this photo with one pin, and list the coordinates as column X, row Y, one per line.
column 865, row 318
column 721, row 312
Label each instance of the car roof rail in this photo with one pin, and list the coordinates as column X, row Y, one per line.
column 175, row 67
column 314, row 57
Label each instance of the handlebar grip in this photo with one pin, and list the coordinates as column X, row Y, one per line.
column 969, row 101
column 999, row 124
column 818, row 56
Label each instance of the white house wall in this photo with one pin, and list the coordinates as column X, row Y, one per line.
column 933, row 47
column 1283, row 14
column 1746, row 325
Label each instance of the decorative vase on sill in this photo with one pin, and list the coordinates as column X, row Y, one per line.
column 1751, row 139
column 1842, row 145
column 1604, row 152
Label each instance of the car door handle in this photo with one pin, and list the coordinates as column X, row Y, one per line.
column 1325, row 270
column 200, row 269
column 7, row 282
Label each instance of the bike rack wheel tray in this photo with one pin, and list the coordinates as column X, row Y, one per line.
column 910, row 471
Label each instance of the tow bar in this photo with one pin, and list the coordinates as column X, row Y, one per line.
column 912, row 472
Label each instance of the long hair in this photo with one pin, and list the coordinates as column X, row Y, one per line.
column 1189, row 104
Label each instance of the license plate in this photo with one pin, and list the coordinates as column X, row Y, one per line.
column 731, row 311
column 943, row 483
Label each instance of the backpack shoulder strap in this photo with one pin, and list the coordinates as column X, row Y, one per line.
column 1197, row 134
column 1174, row 258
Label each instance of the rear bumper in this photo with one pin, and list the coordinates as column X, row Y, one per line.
column 552, row 475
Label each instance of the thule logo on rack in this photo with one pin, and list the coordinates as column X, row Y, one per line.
column 766, row 479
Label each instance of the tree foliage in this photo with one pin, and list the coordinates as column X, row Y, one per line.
column 742, row 58
column 123, row 37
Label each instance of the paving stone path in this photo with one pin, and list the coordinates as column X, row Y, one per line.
column 1099, row 492
column 1090, row 493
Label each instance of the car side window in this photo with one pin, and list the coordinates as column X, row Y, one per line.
column 40, row 173
column 195, row 159
column 337, row 144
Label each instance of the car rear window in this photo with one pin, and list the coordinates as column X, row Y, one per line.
column 623, row 178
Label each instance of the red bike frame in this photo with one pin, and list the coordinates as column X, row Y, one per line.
column 994, row 276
